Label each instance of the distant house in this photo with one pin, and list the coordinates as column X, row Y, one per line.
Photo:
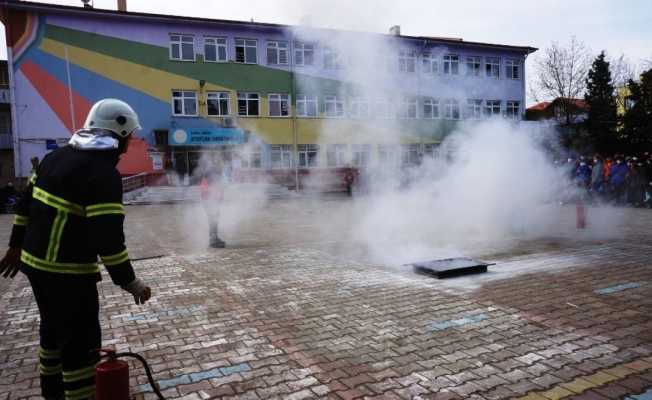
column 561, row 111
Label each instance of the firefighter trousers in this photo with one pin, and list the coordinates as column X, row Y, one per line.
column 70, row 335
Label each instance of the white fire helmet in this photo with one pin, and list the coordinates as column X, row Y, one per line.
column 113, row 115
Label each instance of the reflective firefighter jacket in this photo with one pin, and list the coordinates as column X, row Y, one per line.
column 71, row 213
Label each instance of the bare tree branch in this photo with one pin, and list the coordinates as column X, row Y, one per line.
column 561, row 73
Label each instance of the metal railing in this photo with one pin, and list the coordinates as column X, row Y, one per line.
column 134, row 182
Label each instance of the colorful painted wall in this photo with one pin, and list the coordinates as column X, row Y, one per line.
column 63, row 62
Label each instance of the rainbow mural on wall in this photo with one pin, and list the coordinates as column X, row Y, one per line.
column 64, row 59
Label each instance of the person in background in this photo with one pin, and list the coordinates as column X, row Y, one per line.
column 618, row 180
column 597, row 177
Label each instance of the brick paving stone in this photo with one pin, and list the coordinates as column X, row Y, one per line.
column 612, row 391
column 635, row 384
column 556, row 393
column 590, row 395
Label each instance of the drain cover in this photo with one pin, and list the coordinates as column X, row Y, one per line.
column 451, row 267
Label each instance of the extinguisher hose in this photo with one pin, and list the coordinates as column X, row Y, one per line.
column 147, row 371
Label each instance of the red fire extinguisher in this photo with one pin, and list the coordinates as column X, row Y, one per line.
column 580, row 214
column 112, row 376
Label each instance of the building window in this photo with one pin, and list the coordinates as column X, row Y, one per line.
column 492, row 108
column 281, row 155
column 430, row 108
column 217, row 103
column 4, row 77
column 473, row 65
column 277, row 53
column 361, row 153
column 512, row 109
column 451, row 64
column 408, row 108
column 336, row 155
column 430, row 150
column 387, row 154
column 184, row 102
column 359, row 107
column 331, row 58
column 215, row 49
column 308, row 155
column 429, row 64
column 252, row 157
column 246, row 51
column 182, row 47
column 473, row 109
column 248, row 104
column 334, row 106
column 407, row 61
column 410, row 154
column 512, row 69
column 492, row 66
column 306, row 106
column 382, row 109
column 452, row 109
column 279, row 105
column 304, row 53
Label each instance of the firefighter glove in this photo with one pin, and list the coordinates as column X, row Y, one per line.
column 10, row 262
column 138, row 289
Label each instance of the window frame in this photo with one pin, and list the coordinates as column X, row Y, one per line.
column 303, row 100
column 285, row 152
column 280, row 100
column 217, row 46
column 406, row 104
column 300, row 47
column 338, row 153
column 304, row 160
column 278, row 49
column 247, row 102
column 356, row 102
column 515, row 112
column 338, row 104
column 453, row 103
column 475, row 61
column 217, row 96
column 405, row 57
column 490, row 108
column 245, row 46
column 434, row 104
column 489, row 65
column 448, row 61
column 360, row 152
column 183, row 103
column 431, row 60
column 512, row 65
column 180, row 42
column 475, row 105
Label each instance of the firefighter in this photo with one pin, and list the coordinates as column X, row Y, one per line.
column 71, row 213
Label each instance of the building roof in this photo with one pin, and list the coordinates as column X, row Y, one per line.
column 578, row 103
column 55, row 8
column 540, row 106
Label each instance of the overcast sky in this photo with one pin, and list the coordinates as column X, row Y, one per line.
column 618, row 27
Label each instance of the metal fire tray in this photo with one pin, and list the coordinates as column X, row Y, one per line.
column 450, row 267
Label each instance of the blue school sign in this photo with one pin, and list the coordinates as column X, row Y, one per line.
column 205, row 136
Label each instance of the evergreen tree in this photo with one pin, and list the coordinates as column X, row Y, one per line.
column 637, row 130
column 601, row 103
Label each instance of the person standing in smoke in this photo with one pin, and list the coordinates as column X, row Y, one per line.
column 597, row 177
column 211, row 196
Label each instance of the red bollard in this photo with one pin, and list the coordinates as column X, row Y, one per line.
column 580, row 215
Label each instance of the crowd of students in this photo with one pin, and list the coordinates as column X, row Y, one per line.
column 618, row 179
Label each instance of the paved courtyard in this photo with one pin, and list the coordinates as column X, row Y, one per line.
column 295, row 308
